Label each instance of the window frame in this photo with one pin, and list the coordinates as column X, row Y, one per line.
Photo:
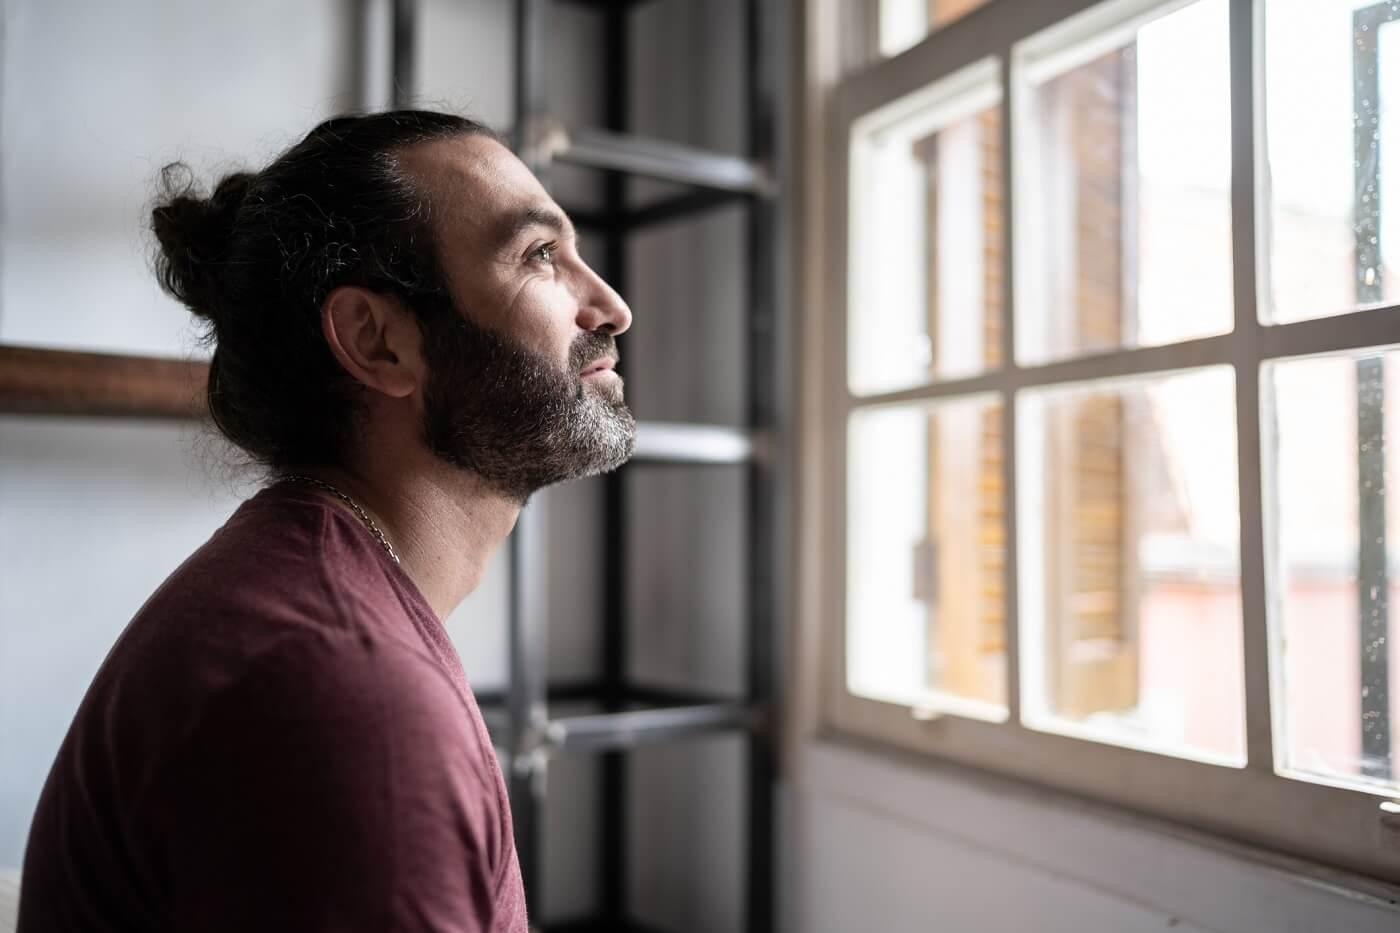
column 1253, row 803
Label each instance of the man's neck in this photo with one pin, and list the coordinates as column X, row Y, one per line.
column 444, row 523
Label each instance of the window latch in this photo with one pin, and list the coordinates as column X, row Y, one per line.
column 926, row 572
column 924, row 713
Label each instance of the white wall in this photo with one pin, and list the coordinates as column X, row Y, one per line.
column 890, row 843
column 96, row 97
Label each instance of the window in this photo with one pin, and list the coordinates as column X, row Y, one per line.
column 1333, row 147
column 928, row 624
column 1125, row 140
column 1129, row 569
column 925, row 297
column 925, row 505
column 1117, row 355
column 1337, row 570
column 903, row 23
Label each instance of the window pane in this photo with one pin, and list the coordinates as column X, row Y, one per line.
column 926, row 237
column 1129, row 567
column 1337, row 573
column 906, row 22
column 926, row 616
column 1333, row 144
column 1124, row 210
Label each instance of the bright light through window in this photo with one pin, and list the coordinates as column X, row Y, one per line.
column 925, row 252
column 1123, row 187
column 926, row 617
column 1129, row 563
column 1185, row 492
column 1337, row 577
column 904, row 23
column 1333, row 157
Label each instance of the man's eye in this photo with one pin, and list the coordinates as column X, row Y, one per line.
column 545, row 253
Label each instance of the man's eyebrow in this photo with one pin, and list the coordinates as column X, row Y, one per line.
column 515, row 224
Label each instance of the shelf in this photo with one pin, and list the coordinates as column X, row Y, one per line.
column 550, row 140
column 34, row 380
column 669, row 442
column 661, row 160
column 652, row 715
column 493, row 703
column 629, row 729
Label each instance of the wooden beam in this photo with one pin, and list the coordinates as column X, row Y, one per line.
column 36, row 381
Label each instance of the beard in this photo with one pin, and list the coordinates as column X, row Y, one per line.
column 514, row 417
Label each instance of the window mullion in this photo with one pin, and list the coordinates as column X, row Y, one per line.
column 1008, row 396
column 1247, row 345
column 1101, row 367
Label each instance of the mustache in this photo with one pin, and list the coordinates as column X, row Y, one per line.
column 588, row 347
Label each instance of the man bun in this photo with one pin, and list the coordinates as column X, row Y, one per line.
column 195, row 236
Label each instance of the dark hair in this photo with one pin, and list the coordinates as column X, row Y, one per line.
column 256, row 259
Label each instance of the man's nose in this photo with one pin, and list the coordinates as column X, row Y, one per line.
column 601, row 307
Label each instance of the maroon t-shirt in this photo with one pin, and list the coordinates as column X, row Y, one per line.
column 282, row 739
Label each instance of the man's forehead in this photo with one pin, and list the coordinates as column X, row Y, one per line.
column 475, row 184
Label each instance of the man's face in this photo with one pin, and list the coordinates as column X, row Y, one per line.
column 521, row 387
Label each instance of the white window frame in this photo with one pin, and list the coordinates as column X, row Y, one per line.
column 1339, row 826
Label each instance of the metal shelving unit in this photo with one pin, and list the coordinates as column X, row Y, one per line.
column 635, row 715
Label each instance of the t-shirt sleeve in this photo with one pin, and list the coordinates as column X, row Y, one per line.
column 340, row 785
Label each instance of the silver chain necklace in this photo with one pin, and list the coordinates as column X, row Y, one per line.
column 354, row 506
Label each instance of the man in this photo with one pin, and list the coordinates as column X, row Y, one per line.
column 404, row 334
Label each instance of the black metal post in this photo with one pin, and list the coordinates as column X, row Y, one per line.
column 762, row 490
column 404, row 66
column 612, row 838
column 1372, row 575
column 529, row 81
column 368, row 46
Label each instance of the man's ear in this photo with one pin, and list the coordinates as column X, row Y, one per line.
column 375, row 339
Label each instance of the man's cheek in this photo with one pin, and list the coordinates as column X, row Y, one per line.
column 549, row 332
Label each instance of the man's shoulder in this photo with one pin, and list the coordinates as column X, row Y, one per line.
column 270, row 589
column 278, row 561
column 333, row 706
column 322, row 700
column 339, row 676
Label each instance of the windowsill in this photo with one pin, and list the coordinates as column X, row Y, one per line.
column 1210, row 881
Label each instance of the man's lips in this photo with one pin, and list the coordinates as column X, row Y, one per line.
column 601, row 365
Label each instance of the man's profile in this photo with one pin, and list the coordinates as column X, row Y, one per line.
column 405, row 336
